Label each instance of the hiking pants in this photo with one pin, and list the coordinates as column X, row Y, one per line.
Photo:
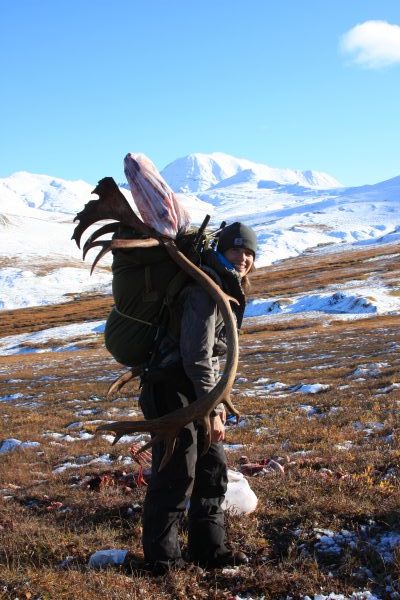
column 189, row 480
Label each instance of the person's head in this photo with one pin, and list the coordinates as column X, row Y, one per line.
column 238, row 243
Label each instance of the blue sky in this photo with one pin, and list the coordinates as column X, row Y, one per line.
column 83, row 82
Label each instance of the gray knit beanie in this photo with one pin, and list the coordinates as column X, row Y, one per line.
column 237, row 235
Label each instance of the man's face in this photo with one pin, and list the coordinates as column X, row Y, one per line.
column 241, row 258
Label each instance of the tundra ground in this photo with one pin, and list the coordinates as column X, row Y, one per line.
column 320, row 396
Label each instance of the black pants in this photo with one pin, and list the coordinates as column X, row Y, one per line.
column 189, row 480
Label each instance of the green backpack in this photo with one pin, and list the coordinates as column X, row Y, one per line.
column 146, row 283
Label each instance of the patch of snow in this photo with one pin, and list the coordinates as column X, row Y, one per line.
column 386, row 544
column 232, row 572
column 107, row 558
column 260, row 307
column 83, row 461
column 275, row 386
column 233, row 447
column 22, row 287
column 376, row 425
column 388, row 389
column 308, row 409
column 58, row 338
column 11, row 397
column 369, row 370
column 126, row 439
column 347, row 445
column 310, row 388
column 361, row 595
column 330, row 542
column 87, row 411
column 53, row 434
column 75, row 425
column 82, row 435
column 12, row 444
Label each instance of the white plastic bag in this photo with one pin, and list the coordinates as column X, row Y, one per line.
column 239, row 497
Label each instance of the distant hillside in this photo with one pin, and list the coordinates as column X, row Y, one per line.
column 39, row 264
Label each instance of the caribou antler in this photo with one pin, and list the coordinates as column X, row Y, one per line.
column 167, row 427
column 111, row 204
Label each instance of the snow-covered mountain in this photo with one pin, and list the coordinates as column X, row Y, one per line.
column 199, row 172
column 291, row 211
column 23, row 191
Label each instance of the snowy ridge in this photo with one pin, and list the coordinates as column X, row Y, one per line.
column 349, row 300
column 22, row 191
column 199, row 172
column 40, row 264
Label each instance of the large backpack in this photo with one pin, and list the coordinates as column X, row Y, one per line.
column 146, row 283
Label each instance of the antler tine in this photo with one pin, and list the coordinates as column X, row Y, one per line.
column 167, row 427
column 124, row 427
column 105, row 247
column 87, row 247
column 169, row 450
column 169, row 445
column 119, row 383
column 108, row 228
column 117, row 437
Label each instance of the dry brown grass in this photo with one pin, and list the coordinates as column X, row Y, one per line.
column 342, row 459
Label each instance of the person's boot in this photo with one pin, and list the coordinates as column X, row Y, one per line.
column 229, row 559
column 161, row 567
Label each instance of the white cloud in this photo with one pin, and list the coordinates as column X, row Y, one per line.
column 372, row 44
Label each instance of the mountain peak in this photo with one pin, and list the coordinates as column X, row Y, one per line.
column 199, row 172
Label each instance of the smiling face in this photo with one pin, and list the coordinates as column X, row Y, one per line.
column 241, row 258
